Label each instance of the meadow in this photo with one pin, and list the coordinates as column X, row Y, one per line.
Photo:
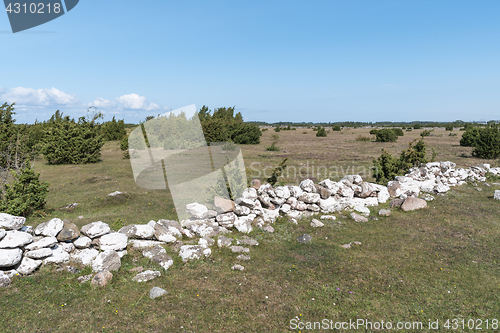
column 434, row 264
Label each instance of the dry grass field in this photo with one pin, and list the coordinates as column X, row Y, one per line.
column 434, row 264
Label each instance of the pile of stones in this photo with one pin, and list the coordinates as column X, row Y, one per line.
column 23, row 249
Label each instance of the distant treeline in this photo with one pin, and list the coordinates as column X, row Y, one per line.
column 456, row 123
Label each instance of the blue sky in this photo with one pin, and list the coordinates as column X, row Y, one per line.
column 274, row 60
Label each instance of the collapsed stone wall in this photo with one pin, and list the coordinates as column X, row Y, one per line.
column 23, row 249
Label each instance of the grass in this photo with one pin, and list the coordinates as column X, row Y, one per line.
column 437, row 263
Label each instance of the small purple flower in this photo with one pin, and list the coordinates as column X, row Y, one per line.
column 338, row 288
column 350, row 292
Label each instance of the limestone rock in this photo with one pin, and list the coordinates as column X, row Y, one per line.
column 329, row 205
column 223, row 205
column 84, row 278
column 85, row 256
column 101, row 279
column 239, row 249
column 138, row 231
column 412, row 203
column 197, row 210
column 11, row 222
column 363, row 210
column 307, row 185
column 384, row 212
column 146, row 276
column 206, row 241
column 39, row 254
column 108, row 260
column 223, row 241
column 82, row 242
column 154, row 251
column 68, row 247
column 244, row 224
column 247, row 241
column 305, row 238
column 250, row 194
column 69, row 232
column 310, row 198
column 58, row 256
column 237, row 267
column 358, row 218
column 156, row 292
column 164, row 260
column 241, row 210
column 14, row 238
column 497, row 195
column 316, row 224
column 50, row 228
column 2, row 233
column 114, row 241
column 250, row 203
column 4, row 280
column 28, row 266
column 268, row 228
column 44, row 242
column 168, row 234
column 189, row 252
column 95, row 229
column 396, row 203
column 328, row 217
column 243, row 257
column 141, row 244
column 10, row 257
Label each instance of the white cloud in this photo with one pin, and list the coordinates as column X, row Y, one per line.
column 102, row 103
column 38, row 97
column 136, row 102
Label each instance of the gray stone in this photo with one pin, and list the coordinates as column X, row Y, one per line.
column 206, row 241
column 11, row 222
column 10, row 257
column 412, row 203
column 95, row 229
column 164, row 260
column 14, row 238
column 243, row 257
column 4, row 280
column 237, row 267
column 58, row 256
column 108, row 260
column 69, row 232
column 497, row 195
column 166, row 234
column 197, row 210
column 154, row 251
column 268, row 228
column 247, row 241
column 84, row 278
column 27, row 228
column 138, row 231
column 101, row 279
column 358, row 218
column 310, row 198
column 156, row 292
column 114, row 241
column 223, row 241
column 316, row 223
column 307, row 185
column 82, row 242
column 50, row 228
column 39, row 254
column 305, row 238
column 85, row 256
column 396, row 203
column 190, row 252
column 384, row 212
column 239, row 249
column 2, row 233
column 28, row 266
column 146, row 276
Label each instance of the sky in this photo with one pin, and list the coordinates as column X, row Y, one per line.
column 302, row 61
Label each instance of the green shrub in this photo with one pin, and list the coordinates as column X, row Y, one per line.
column 398, row 131
column 264, row 129
column 70, row 142
column 277, row 172
column 336, row 128
column 449, row 127
column 273, row 147
column 25, row 195
column 469, row 137
column 113, row 130
column 277, row 129
column 321, row 132
column 425, row 133
column 417, row 126
column 362, row 138
column 387, row 167
column 124, row 147
column 386, row 135
column 487, row 143
column 117, row 225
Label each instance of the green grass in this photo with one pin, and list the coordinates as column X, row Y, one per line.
column 438, row 263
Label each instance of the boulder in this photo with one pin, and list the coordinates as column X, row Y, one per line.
column 249, row 194
column 362, row 209
column 138, row 231
column 237, row 267
column 39, row 254
column 223, row 241
column 50, row 228
column 166, row 234
column 101, row 279
column 146, row 276
column 324, row 192
column 14, row 238
column 412, row 203
column 11, row 222
column 282, row 192
column 95, row 229
column 189, row 252
column 108, row 260
column 243, row 257
column 197, row 210
column 396, row 203
column 241, row 210
column 156, row 292
column 310, row 198
column 223, row 205
column 82, row 242
column 239, row 249
column 154, row 251
column 69, row 232
column 45, row 242
column 317, row 224
column 307, row 185
column 497, row 195
column 85, row 256
column 305, row 238
column 114, row 241
column 358, row 218
column 4, row 280
column 59, row 256
column 384, row 212
column 28, row 266
column 164, row 260
column 206, row 241
column 244, row 224
column 10, row 257
column 2, row 233
column 247, row 241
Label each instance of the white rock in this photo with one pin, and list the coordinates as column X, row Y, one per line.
column 141, row 244
column 270, row 215
column 14, row 238
column 282, row 192
column 95, row 229
column 84, row 257
column 42, row 243
column 39, row 254
column 10, row 257
column 249, row 193
column 28, row 266
column 307, row 185
column 328, row 217
column 114, row 194
column 497, row 195
column 310, row 198
column 146, row 276
column 383, row 195
column 317, row 224
column 122, row 253
column 362, row 209
column 140, row 231
column 244, row 224
column 440, row 188
column 11, row 222
column 329, row 205
column 152, row 223
column 58, row 256
column 366, row 202
column 331, row 185
column 107, row 260
column 153, row 251
column 295, row 191
column 82, row 242
column 50, row 228
column 2, row 233
column 197, row 210
column 189, row 252
column 68, row 247
column 113, row 241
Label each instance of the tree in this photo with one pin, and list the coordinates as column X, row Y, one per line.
column 321, row 132
column 487, row 143
column 113, row 130
column 386, row 135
